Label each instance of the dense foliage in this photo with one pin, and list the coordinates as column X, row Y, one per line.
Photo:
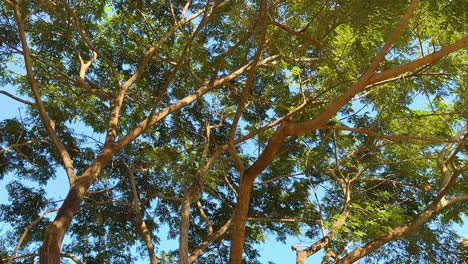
column 341, row 122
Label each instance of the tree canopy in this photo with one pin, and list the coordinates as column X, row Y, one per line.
column 340, row 122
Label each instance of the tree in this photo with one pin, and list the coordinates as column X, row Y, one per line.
column 340, row 121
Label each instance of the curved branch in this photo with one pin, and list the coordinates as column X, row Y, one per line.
column 17, row 98
column 46, row 120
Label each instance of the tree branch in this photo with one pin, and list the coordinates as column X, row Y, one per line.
column 46, row 120
column 140, row 223
column 18, row 145
column 205, row 218
column 440, row 158
column 17, row 98
column 210, row 238
column 458, row 198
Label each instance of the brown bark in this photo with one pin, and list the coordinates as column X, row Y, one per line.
column 50, row 250
column 192, row 192
column 302, row 255
column 240, row 217
column 49, row 253
column 245, row 188
column 145, row 235
column 211, row 237
column 184, row 227
column 48, row 123
column 26, row 232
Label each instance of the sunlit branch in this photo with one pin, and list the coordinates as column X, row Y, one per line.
column 205, row 218
column 458, row 198
column 440, row 158
column 84, row 37
column 210, row 238
column 241, row 105
column 46, row 120
column 231, row 187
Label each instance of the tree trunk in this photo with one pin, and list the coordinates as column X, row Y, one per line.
column 49, row 253
column 184, row 231
column 191, row 193
column 245, row 188
column 240, row 217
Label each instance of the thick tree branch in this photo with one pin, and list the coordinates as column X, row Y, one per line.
column 428, row 59
column 458, row 198
column 205, row 218
column 46, row 120
column 388, row 44
column 302, row 255
column 335, row 106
